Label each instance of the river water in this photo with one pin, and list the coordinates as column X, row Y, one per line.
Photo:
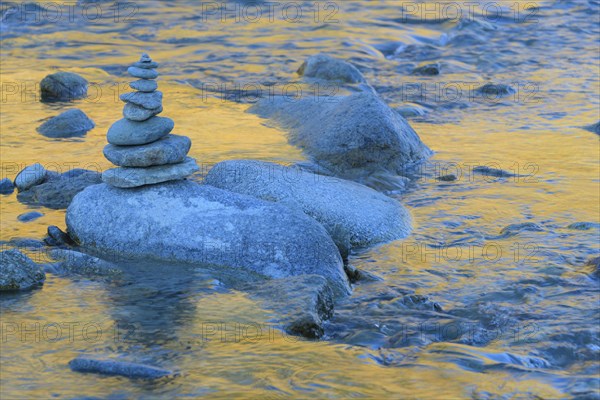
column 464, row 310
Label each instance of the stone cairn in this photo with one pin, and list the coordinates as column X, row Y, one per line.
column 141, row 144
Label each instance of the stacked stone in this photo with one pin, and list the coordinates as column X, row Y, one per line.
column 141, row 144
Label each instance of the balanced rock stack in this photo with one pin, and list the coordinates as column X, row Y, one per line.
column 141, row 144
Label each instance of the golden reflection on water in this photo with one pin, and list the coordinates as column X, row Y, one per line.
column 566, row 190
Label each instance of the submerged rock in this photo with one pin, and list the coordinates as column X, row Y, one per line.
column 63, row 86
column 19, row 272
column 131, row 177
column 326, row 67
column 584, row 226
column 182, row 221
column 29, row 216
column 58, row 190
column 83, row 264
column 495, row 90
column 427, row 69
column 514, row 229
column 119, row 368
column 354, row 215
column 302, row 303
column 447, row 178
column 488, row 171
column 68, row 124
column 595, row 128
column 129, row 133
column 30, row 176
column 595, row 264
column 349, row 135
column 6, row 186
column 171, row 149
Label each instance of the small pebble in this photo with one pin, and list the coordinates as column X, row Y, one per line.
column 29, row 216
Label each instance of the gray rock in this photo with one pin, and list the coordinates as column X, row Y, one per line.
column 326, row 67
column 171, row 149
column 146, row 65
column 584, row 226
column 186, row 222
column 495, row 90
column 302, row 303
column 144, row 85
column 142, row 73
column 129, row 177
column 353, row 214
column 514, row 229
column 59, row 189
column 427, row 69
column 495, row 172
column 149, row 101
column 23, row 243
column 63, row 86
column 56, row 237
column 118, row 368
column 128, row 133
column 411, row 110
column 349, row 135
column 19, row 272
column 447, row 178
column 68, row 124
column 30, row 216
column 30, row 176
column 595, row 128
column 83, row 264
column 6, row 186
column 136, row 113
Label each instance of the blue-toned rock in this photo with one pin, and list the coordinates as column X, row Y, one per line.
column 325, row 67
column 142, row 73
column 19, row 272
column 63, row 86
column 30, row 176
column 137, row 113
column 149, row 101
column 171, row 149
column 144, row 85
column 131, row 177
column 128, row 133
column 68, row 124
column 6, row 186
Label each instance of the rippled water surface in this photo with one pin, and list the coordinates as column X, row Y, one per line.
column 464, row 310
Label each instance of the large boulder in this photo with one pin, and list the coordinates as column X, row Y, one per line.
column 351, row 135
column 19, row 272
column 325, row 67
column 353, row 214
column 63, row 86
column 182, row 221
column 71, row 123
column 57, row 190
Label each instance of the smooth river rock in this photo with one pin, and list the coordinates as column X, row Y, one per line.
column 6, row 186
column 169, row 150
column 137, row 113
column 149, row 101
column 68, row 124
column 57, row 190
column 30, row 176
column 19, row 272
column 353, row 214
column 63, row 86
column 128, row 133
column 187, row 222
column 142, row 73
column 326, row 67
column 144, row 85
column 130, row 177
column 354, row 135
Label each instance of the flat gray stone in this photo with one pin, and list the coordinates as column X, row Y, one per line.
column 353, row 214
column 144, row 85
column 149, row 101
column 187, row 222
column 146, row 64
column 30, row 176
column 125, row 132
column 136, row 113
column 68, row 124
column 63, row 86
column 326, row 67
column 19, row 272
column 142, row 73
column 171, row 149
column 127, row 177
